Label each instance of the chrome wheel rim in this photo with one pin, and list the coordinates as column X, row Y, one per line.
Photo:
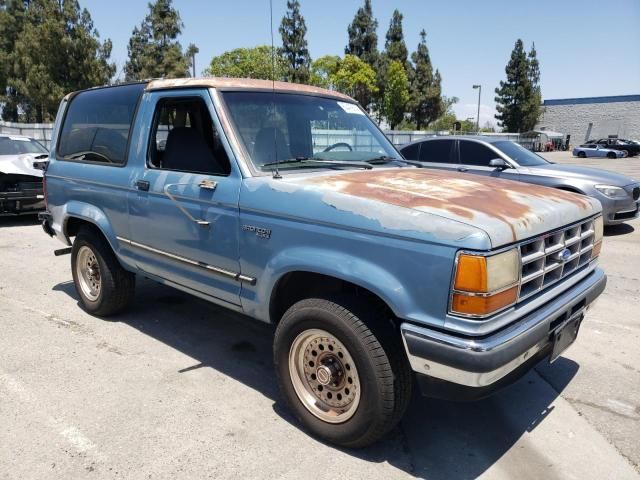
column 88, row 273
column 324, row 376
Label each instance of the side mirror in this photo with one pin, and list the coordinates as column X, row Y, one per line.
column 499, row 163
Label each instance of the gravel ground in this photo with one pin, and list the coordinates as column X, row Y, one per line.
column 179, row 388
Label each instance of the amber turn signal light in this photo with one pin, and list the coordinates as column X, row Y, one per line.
column 483, row 305
column 471, row 275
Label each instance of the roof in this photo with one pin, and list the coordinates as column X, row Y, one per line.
column 548, row 133
column 482, row 138
column 244, row 83
column 588, row 100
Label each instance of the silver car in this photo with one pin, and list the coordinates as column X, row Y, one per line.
column 496, row 157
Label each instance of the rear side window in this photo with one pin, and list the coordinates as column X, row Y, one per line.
column 437, row 151
column 97, row 125
column 410, row 152
column 474, row 153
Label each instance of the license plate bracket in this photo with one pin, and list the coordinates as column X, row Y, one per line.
column 564, row 336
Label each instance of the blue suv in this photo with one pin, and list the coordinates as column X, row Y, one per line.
column 288, row 204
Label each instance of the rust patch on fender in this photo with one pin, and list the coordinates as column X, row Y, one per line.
column 462, row 195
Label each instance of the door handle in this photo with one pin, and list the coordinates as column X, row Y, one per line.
column 143, row 185
column 208, row 185
column 462, row 169
column 202, row 223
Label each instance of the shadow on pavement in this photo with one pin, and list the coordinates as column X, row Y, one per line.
column 436, row 439
column 620, row 229
column 18, row 221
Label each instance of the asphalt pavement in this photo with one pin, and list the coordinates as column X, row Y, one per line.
column 179, row 388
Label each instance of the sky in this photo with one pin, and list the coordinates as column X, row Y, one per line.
column 585, row 47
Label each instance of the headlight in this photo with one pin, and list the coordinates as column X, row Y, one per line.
column 611, row 191
column 485, row 284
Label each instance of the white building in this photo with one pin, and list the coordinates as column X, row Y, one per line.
column 593, row 117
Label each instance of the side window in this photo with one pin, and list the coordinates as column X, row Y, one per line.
column 476, row 154
column 438, row 151
column 184, row 138
column 410, row 152
column 97, row 125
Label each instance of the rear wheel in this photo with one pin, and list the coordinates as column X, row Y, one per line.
column 342, row 370
column 104, row 287
column 611, row 155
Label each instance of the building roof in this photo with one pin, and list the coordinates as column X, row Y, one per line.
column 244, row 83
column 588, row 100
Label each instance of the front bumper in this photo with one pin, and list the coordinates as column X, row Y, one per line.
column 21, row 202
column 480, row 363
column 620, row 211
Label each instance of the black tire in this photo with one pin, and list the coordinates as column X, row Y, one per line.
column 376, row 348
column 611, row 155
column 117, row 285
column 582, row 155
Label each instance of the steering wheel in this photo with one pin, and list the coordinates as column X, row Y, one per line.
column 336, row 145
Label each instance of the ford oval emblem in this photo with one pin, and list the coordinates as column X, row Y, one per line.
column 564, row 255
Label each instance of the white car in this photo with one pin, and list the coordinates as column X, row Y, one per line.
column 595, row 150
column 20, row 183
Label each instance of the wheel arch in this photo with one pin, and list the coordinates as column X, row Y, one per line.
column 78, row 214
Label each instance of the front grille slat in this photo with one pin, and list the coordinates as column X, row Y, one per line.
column 540, row 262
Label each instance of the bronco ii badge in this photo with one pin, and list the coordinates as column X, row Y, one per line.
column 260, row 232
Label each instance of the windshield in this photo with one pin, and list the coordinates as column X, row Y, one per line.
column 522, row 156
column 19, row 146
column 305, row 130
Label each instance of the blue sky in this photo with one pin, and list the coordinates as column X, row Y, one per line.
column 586, row 47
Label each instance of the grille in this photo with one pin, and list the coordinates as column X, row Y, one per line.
column 29, row 186
column 636, row 193
column 542, row 264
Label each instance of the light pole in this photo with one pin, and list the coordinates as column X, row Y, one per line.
column 479, row 87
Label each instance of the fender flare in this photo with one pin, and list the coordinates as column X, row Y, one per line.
column 91, row 214
column 349, row 268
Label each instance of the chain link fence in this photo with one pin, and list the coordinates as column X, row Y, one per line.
column 321, row 139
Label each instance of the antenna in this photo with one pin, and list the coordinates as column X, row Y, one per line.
column 276, row 173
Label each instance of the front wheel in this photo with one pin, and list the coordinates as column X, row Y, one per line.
column 582, row 155
column 612, row 155
column 342, row 370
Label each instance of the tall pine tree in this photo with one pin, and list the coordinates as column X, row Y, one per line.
column 56, row 50
column 363, row 39
column 394, row 46
column 153, row 47
column 517, row 99
column 425, row 103
column 294, row 44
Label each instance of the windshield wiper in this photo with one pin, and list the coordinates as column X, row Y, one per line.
column 388, row 159
column 318, row 161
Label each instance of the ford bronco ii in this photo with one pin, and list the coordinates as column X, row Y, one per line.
column 287, row 203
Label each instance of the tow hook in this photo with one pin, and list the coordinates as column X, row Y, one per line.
column 62, row 251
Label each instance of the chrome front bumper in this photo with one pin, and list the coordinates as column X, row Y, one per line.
column 478, row 362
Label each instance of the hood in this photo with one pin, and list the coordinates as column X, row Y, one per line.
column 20, row 164
column 595, row 175
column 506, row 211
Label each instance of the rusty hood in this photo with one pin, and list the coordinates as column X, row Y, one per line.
column 507, row 211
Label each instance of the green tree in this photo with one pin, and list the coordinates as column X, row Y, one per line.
column 394, row 46
column 253, row 62
column 517, row 99
column 322, row 70
column 396, row 94
column 425, row 104
column 153, row 47
column 535, row 102
column 363, row 39
column 355, row 78
column 57, row 50
column 294, row 45
column 11, row 24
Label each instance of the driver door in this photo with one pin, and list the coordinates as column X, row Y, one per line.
column 184, row 223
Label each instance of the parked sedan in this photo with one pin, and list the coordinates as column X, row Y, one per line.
column 595, row 150
column 20, row 183
column 631, row 148
column 495, row 157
